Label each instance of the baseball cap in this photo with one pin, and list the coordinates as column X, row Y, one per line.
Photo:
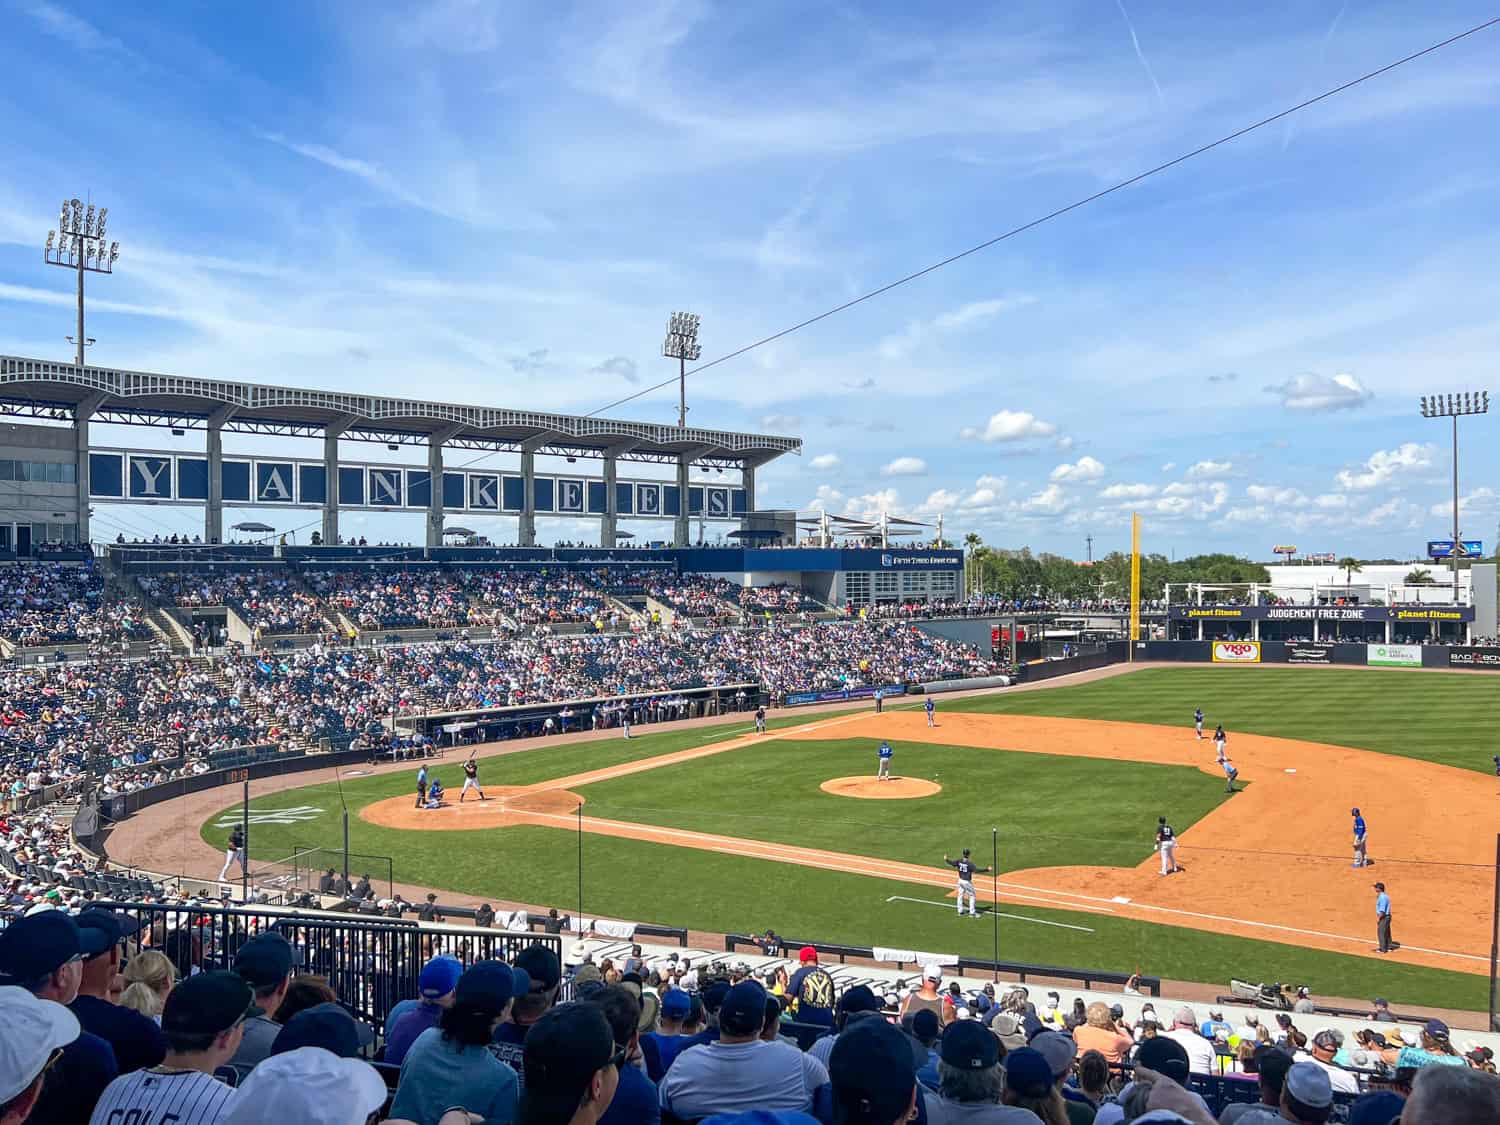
column 1309, row 1084
column 714, row 994
column 872, row 1072
column 675, row 1003
column 30, row 1030
column 207, row 1004
column 807, row 953
column 968, row 1045
column 859, row 998
column 1328, row 1039
column 37, row 944
column 1165, row 1056
column 932, row 972
column 564, row 1050
column 1379, row 1108
column 541, row 966
column 1027, row 1073
column 924, row 1025
column 264, row 961
column 1185, row 1016
column 1379, row 886
column 1058, row 1049
column 100, row 930
column 490, row 985
column 1007, row 1029
column 439, row 977
column 326, row 1025
column 307, row 1086
column 1436, row 1028
column 744, row 1009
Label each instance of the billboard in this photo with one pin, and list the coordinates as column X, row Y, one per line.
column 1463, row 657
column 1284, row 549
column 1394, row 656
column 1236, row 652
column 1443, row 549
column 1300, row 653
column 1319, row 613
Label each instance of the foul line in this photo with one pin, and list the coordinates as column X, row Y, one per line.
column 1001, row 913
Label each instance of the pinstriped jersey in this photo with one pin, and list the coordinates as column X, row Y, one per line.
column 163, row 1097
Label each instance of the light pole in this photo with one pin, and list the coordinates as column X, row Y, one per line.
column 682, row 345
column 80, row 246
column 1455, row 407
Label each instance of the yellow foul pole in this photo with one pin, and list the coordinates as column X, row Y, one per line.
column 1135, row 581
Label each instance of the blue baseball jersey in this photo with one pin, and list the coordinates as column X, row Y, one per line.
column 885, row 750
column 929, row 706
column 1359, row 826
column 1198, row 716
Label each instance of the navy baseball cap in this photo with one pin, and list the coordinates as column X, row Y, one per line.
column 872, row 1072
column 541, row 966
column 924, row 1025
column 859, row 998
column 37, row 944
column 714, row 994
column 207, row 1004
column 325, row 1025
column 264, row 961
column 491, row 985
column 101, row 930
column 1027, row 1072
column 969, row 1045
column 564, row 1050
column 744, row 1009
column 1163, row 1055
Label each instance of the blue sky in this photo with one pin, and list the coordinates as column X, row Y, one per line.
column 501, row 203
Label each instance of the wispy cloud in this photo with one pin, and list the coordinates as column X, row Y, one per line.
column 1139, row 54
column 71, row 29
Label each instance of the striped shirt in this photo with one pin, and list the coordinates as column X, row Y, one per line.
column 163, row 1096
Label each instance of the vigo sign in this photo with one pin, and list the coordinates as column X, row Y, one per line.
column 1236, row 652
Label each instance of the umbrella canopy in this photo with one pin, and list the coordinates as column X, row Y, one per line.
column 251, row 525
column 754, row 533
column 624, row 535
column 457, row 531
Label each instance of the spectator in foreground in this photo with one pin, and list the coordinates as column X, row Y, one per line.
column 1200, row 1051
column 308, row 1086
column 1439, row 1096
column 1059, row 1050
column 872, row 1076
column 149, row 978
column 265, row 963
column 544, row 970
column 1271, row 1065
column 202, row 1021
column 42, row 953
column 741, row 1071
column 971, row 1080
column 676, row 1006
column 33, row 1034
column 636, row 1100
column 572, row 1065
column 450, row 1064
column 436, row 984
column 1030, row 1086
column 1307, row 1096
column 135, row 1039
column 857, row 1002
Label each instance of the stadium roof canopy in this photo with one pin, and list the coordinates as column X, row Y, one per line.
column 38, row 388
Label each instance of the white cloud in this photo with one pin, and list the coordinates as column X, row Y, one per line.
column 824, row 461
column 1049, row 501
column 1204, row 470
column 1128, row 491
column 1062, row 444
column 1312, row 392
column 902, row 345
column 988, row 481
column 870, row 505
column 940, row 500
column 1084, row 469
column 1010, row 425
column 827, row 498
column 905, row 467
column 980, row 498
column 1384, row 464
column 781, row 423
column 1274, row 494
column 71, row 29
column 1480, row 500
column 1169, row 466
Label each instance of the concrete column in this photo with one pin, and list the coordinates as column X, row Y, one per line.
column 435, row 497
column 528, row 501
column 680, row 525
column 331, row 434
column 213, row 509
column 609, row 523
column 1316, row 632
column 747, row 481
column 81, row 416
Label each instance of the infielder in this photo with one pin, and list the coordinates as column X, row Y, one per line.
column 235, row 852
column 760, row 720
column 1166, row 843
column 930, row 708
column 422, row 787
column 1230, row 773
column 883, row 773
column 1198, row 723
column 1359, row 839
column 966, row 872
column 471, row 780
column 1220, row 738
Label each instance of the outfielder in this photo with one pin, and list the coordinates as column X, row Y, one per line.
column 883, row 773
column 930, row 708
column 966, row 872
column 1230, row 773
column 1198, row 723
column 471, row 780
column 235, row 852
column 1359, row 839
column 1166, row 843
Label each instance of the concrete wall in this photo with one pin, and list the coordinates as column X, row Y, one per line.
column 38, row 502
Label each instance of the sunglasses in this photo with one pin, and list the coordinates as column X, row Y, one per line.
column 617, row 1060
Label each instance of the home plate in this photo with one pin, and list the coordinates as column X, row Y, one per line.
column 1121, row 899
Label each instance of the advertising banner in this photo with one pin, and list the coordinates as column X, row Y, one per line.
column 1443, row 548
column 1320, row 613
column 1237, row 652
column 1474, row 657
column 1309, row 653
column 1394, row 656
column 802, row 698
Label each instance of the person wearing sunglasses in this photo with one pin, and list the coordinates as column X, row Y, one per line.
column 33, row 1034
column 636, row 1100
column 203, row 1021
column 572, row 1067
column 43, row 954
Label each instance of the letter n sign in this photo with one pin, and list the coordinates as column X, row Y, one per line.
column 385, row 488
column 150, row 478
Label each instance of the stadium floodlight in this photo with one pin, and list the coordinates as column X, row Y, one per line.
column 78, row 244
column 682, row 345
column 1455, row 406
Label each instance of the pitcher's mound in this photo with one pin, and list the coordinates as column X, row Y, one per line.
column 868, row 788
column 507, row 805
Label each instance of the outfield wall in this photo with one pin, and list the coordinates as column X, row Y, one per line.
column 1321, row 652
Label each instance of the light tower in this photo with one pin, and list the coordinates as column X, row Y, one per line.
column 80, row 246
column 1455, row 407
column 682, row 345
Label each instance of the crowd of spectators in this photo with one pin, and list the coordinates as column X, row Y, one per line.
column 530, row 598
column 269, row 601
column 775, row 598
column 695, row 595
column 54, row 603
column 385, row 599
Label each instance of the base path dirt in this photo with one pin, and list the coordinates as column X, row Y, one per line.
column 893, row 788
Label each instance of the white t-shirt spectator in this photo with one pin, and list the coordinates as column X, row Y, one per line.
column 1200, row 1051
column 183, row 1097
column 1338, row 1076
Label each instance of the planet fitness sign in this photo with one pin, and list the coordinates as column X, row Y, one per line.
column 1236, row 652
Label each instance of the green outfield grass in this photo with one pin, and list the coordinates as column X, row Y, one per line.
column 1436, row 716
column 1052, row 811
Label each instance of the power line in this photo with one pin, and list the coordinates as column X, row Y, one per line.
column 1049, row 216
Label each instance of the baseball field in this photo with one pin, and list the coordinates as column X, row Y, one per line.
column 720, row 829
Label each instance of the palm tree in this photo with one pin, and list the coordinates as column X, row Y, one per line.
column 972, row 543
column 1419, row 576
column 1350, row 567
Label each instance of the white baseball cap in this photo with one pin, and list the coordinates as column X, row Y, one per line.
column 30, row 1030
column 932, row 972
column 308, row 1086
